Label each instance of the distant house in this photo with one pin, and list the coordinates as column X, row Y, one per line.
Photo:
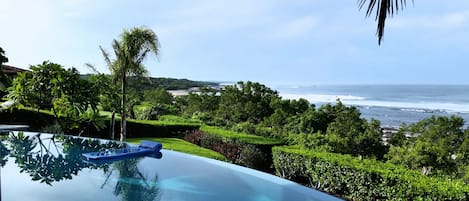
column 11, row 71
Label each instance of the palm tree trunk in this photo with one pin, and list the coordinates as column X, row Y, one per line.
column 113, row 120
column 123, row 123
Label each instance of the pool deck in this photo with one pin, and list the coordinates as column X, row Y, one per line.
column 5, row 127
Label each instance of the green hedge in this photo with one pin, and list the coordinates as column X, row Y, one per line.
column 135, row 128
column 148, row 128
column 242, row 137
column 248, row 150
column 362, row 179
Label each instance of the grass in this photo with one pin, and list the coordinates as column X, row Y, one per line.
column 243, row 137
column 182, row 146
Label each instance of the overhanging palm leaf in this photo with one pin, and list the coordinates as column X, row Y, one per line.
column 383, row 9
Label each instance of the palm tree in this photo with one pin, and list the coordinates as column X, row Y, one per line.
column 382, row 8
column 130, row 52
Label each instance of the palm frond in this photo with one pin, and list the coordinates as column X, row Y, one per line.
column 382, row 9
column 107, row 59
column 92, row 67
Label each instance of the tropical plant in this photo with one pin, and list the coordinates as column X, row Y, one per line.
column 50, row 86
column 382, row 9
column 4, row 80
column 130, row 51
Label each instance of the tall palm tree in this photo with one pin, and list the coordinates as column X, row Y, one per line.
column 383, row 9
column 130, row 52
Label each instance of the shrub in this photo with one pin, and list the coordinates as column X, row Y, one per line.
column 242, row 137
column 209, row 141
column 194, row 137
column 230, row 150
column 253, row 157
column 245, row 127
column 362, row 179
column 144, row 112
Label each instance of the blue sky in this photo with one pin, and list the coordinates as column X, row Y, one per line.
column 276, row 42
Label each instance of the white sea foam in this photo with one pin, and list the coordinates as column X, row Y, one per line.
column 322, row 98
column 362, row 101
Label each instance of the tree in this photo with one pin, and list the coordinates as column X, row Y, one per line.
column 130, row 52
column 439, row 145
column 382, row 9
column 3, row 58
column 205, row 101
column 340, row 129
column 49, row 86
column 158, row 96
column 4, row 80
column 248, row 101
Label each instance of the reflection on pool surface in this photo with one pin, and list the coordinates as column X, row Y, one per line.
column 47, row 167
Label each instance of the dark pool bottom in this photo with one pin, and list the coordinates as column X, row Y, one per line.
column 39, row 168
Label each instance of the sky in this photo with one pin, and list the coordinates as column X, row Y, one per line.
column 275, row 42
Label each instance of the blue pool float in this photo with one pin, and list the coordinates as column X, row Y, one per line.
column 145, row 148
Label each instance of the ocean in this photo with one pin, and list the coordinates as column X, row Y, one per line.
column 390, row 104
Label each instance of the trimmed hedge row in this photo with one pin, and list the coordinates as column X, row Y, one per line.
column 242, row 137
column 135, row 128
column 362, row 179
column 145, row 128
column 248, row 150
column 35, row 120
column 249, row 155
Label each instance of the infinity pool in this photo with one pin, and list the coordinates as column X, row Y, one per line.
column 50, row 167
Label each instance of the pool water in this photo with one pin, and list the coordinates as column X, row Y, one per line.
column 50, row 167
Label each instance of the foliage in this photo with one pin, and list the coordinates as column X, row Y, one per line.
column 440, row 146
column 205, row 101
column 362, row 179
column 253, row 157
column 384, row 8
column 130, row 52
column 158, row 96
column 166, row 83
column 248, row 101
column 242, row 137
column 149, row 128
column 3, row 58
column 236, row 151
column 178, row 119
column 4, row 80
column 339, row 129
column 144, row 112
column 50, row 86
column 107, row 90
column 152, row 83
column 182, row 146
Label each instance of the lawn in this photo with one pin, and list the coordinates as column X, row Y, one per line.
column 182, row 146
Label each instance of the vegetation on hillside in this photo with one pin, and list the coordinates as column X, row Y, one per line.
column 150, row 83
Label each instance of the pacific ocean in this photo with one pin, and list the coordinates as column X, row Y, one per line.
column 393, row 105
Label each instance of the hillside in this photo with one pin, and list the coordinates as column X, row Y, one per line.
column 166, row 83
